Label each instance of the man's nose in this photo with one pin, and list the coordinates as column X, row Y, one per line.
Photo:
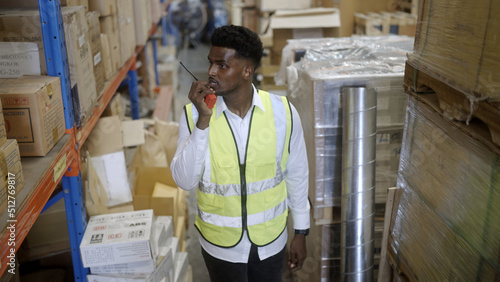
column 211, row 71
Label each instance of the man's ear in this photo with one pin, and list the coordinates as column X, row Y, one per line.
column 248, row 72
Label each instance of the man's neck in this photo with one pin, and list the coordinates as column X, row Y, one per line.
column 241, row 103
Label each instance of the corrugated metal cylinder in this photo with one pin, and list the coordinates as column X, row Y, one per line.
column 358, row 183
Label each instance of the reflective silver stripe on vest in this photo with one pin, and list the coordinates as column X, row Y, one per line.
column 235, row 189
column 236, row 222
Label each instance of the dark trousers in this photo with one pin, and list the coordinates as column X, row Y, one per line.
column 269, row 270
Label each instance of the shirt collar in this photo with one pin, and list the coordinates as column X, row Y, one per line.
column 256, row 101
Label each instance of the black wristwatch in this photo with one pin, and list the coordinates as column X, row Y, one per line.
column 304, row 232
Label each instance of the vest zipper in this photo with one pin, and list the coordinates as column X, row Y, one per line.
column 243, row 197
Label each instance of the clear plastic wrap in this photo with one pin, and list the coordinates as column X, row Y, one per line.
column 448, row 223
column 315, row 86
column 458, row 43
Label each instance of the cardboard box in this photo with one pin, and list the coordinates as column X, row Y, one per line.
column 309, row 23
column 272, row 5
column 106, row 57
column 84, row 3
column 164, row 270
column 147, row 179
column 456, row 205
column 106, row 137
column 181, row 266
column 96, row 195
column 168, row 73
column 80, row 60
column 156, row 11
column 147, row 69
column 141, row 269
column 3, row 132
column 458, row 44
column 118, row 238
column 50, row 228
column 33, row 112
column 23, row 26
column 142, row 20
column 104, row 7
column 96, row 46
column 126, row 30
column 115, row 107
column 18, row 59
column 180, row 232
column 109, row 26
column 10, row 170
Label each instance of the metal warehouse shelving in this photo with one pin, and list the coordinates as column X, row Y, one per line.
column 62, row 163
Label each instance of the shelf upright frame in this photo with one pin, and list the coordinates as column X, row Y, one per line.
column 133, row 89
column 57, row 65
column 55, row 52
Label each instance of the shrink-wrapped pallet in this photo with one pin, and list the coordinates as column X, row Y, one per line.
column 315, row 86
column 457, row 42
column 448, row 220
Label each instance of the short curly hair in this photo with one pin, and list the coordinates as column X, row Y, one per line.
column 246, row 42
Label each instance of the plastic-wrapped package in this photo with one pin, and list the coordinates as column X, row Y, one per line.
column 448, row 221
column 315, row 86
column 457, row 42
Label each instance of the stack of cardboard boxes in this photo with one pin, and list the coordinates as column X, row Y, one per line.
column 399, row 23
column 133, row 246
column 23, row 26
column 449, row 211
column 11, row 174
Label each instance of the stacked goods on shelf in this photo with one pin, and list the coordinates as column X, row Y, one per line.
column 18, row 58
column 109, row 68
column 131, row 245
column 399, row 23
column 108, row 18
column 142, row 20
column 96, row 47
column 75, row 3
column 33, row 112
column 448, row 219
column 408, row 6
column 126, row 29
column 44, row 239
column 447, row 222
column 81, row 61
column 315, row 86
column 11, row 172
column 294, row 24
column 24, row 26
column 146, row 70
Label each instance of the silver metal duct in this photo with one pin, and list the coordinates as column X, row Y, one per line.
column 358, row 184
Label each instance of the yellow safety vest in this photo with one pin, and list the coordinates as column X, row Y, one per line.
column 251, row 196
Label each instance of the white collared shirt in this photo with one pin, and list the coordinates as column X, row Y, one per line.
column 188, row 162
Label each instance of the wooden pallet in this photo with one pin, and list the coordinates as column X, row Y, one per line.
column 454, row 104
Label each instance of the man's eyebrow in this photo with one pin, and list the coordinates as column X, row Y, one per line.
column 217, row 61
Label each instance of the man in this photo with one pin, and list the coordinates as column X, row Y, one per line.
column 247, row 157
